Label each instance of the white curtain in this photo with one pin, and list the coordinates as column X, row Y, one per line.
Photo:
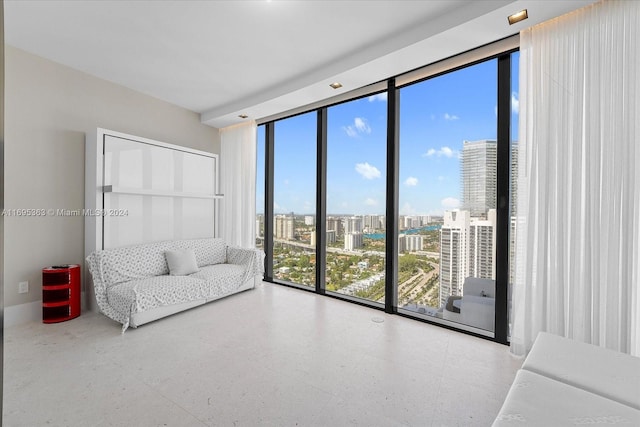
column 238, row 184
column 578, row 227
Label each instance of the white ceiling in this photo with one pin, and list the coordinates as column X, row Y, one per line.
column 225, row 58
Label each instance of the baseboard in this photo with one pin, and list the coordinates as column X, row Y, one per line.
column 23, row 313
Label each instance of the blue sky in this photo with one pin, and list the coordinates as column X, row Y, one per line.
column 436, row 116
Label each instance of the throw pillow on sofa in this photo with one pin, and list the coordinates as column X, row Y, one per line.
column 181, row 263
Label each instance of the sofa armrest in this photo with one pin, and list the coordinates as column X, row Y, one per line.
column 252, row 258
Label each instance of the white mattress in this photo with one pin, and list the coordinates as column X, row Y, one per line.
column 601, row 371
column 535, row 400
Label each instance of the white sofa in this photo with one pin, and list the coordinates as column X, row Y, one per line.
column 564, row 382
column 476, row 306
column 134, row 285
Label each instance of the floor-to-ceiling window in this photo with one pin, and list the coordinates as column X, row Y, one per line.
column 437, row 155
column 448, row 182
column 356, row 198
column 294, row 199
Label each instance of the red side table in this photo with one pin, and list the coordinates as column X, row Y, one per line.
column 60, row 293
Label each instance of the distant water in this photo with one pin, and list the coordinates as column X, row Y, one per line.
column 380, row 236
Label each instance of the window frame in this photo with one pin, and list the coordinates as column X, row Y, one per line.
column 502, row 51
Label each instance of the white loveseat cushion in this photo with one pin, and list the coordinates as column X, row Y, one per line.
column 601, row 371
column 535, row 400
column 222, row 279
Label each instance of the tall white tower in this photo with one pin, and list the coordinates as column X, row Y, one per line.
column 454, row 241
column 478, row 169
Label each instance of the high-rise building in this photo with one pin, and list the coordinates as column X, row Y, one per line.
column 371, row 222
column 411, row 222
column 331, row 237
column 454, row 240
column 309, row 220
column 352, row 225
column 402, row 243
column 353, row 241
column 401, row 220
column 414, row 242
column 467, row 249
column 478, row 169
column 410, row 242
column 513, row 175
column 284, row 227
column 482, row 243
column 335, row 224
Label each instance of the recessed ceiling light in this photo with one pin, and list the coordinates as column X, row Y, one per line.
column 336, row 85
column 517, row 17
column 243, row 116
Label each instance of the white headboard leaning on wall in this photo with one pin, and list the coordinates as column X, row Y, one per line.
column 138, row 190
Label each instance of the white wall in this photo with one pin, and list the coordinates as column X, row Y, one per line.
column 49, row 108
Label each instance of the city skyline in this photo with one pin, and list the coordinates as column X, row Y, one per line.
column 436, row 117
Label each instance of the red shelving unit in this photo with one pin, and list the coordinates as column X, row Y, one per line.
column 60, row 293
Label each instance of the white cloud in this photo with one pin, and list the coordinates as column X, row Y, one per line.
column 411, row 181
column 448, row 116
column 371, row 202
column 441, row 178
column 379, row 97
column 359, row 126
column 515, row 104
column 450, row 203
column 367, row 171
column 350, row 131
column 407, row 209
column 447, row 152
column 443, row 151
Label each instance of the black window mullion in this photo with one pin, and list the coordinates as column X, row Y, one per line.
column 268, row 201
column 503, row 215
column 321, row 202
column 393, row 155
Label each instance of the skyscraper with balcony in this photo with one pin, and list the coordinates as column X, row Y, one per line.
column 478, row 169
column 482, row 243
column 467, row 249
column 454, row 241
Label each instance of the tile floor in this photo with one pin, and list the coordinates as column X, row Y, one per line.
column 272, row 356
